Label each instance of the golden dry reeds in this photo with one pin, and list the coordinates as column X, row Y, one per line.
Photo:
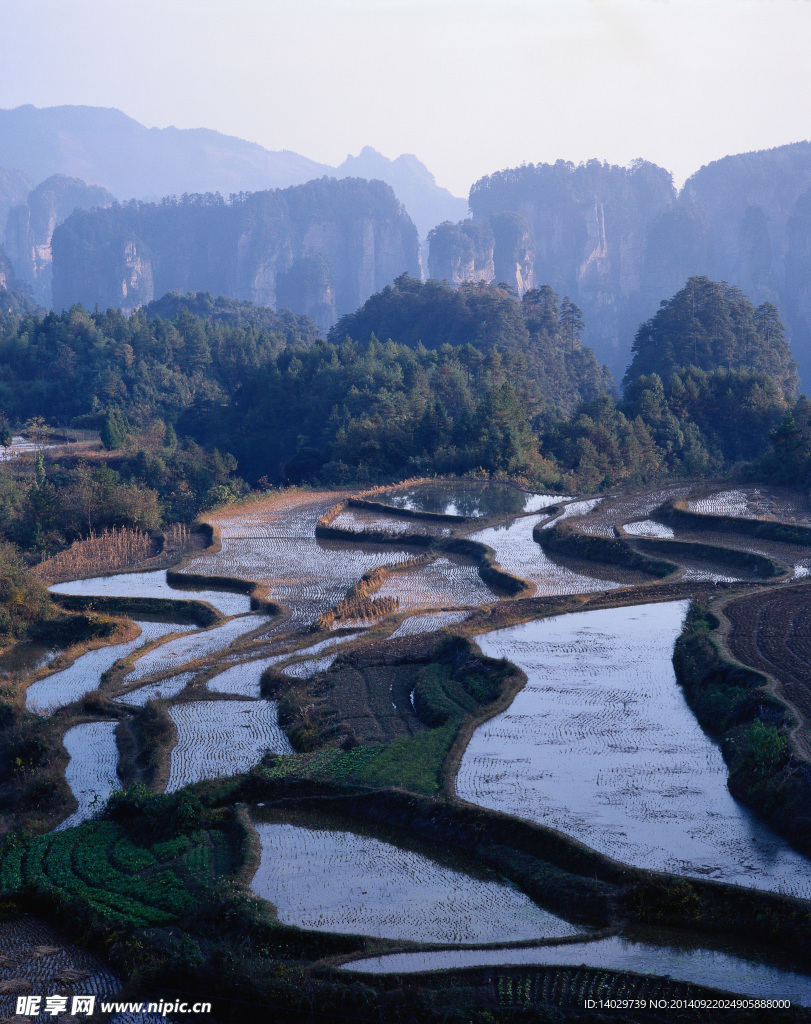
column 332, row 513
column 113, row 549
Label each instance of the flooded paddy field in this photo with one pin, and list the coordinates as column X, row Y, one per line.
column 708, row 967
column 447, row 581
column 82, row 677
column 222, row 738
column 468, row 498
column 175, row 653
column 795, row 557
column 153, row 584
column 518, row 552
column 357, row 520
column 755, row 503
column 601, row 519
column 91, row 772
column 27, row 656
column 649, row 528
column 140, row 696
column 601, row 745
column 306, row 575
column 340, row 881
column 32, row 951
column 427, row 623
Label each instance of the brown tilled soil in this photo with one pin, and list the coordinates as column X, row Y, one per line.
column 771, row 631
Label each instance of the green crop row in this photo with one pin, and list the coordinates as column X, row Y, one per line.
column 102, row 868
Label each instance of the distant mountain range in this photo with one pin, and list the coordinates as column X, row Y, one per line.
column 104, row 147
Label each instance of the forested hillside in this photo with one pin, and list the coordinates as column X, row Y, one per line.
column 618, row 240
column 422, row 379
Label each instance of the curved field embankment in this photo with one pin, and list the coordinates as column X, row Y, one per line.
column 736, row 704
column 564, row 539
column 358, row 602
column 557, row 871
column 677, row 515
column 771, row 631
column 746, row 563
column 173, row 610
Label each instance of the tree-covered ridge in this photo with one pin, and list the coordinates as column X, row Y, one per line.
column 295, row 328
column 350, row 412
column 183, row 403
column 76, row 363
column 712, row 325
column 487, row 317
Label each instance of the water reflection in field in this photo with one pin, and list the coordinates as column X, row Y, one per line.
column 153, row 584
column 344, row 882
column 84, row 675
column 601, row 745
column 468, row 498
column 519, row 553
column 709, row 967
column 91, row 771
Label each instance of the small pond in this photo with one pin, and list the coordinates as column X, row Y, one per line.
column 339, row 881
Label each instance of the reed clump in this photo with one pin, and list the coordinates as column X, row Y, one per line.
column 113, row 549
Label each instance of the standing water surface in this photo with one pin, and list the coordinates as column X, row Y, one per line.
column 601, row 745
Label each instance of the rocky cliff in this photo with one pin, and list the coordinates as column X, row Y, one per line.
column 30, row 226
column 321, row 249
column 581, row 230
column 619, row 241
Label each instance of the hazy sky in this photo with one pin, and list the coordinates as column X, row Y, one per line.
column 470, row 86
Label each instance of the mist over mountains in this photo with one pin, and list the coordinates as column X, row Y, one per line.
column 616, row 240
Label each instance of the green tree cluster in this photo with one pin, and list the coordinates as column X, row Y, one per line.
column 712, row 325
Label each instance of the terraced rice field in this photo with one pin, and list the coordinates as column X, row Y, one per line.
column 466, row 498
column 358, row 520
column 21, row 446
column 427, row 623
column 579, row 508
column 222, row 738
column 517, row 552
column 306, row 575
column 70, row 684
column 91, row 771
column 601, row 519
column 701, row 966
column 32, row 951
column 172, row 655
column 448, row 581
column 163, row 688
column 649, row 528
column 756, row 503
column 275, row 544
column 243, row 680
column 771, row 631
column 601, row 745
column 153, row 584
column 309, row 668
column 343, row 882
